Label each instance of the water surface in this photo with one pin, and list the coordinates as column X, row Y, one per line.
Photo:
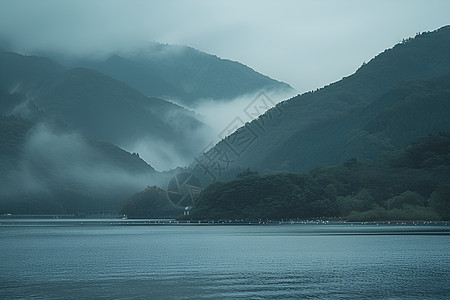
column 71, row 260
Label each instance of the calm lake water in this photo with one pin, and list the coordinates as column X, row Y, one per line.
column 73, row 261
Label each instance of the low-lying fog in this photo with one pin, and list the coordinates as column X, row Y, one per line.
column 217, row 114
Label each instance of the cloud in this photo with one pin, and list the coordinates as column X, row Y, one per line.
column 164, row 155
column 161, row 155
column 305, row 43
column 220, row 113
column 217, row 114
column 66, row 159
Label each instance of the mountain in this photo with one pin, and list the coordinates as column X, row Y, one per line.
column 408, row 111
column 25, row 73
column 182, row 74
column 398, row 96
column 103, row 108
column 63, row 126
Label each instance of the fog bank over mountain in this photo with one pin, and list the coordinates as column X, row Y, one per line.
column 220, row 114
column 307, row 44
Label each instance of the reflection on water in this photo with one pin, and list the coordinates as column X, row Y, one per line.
column 64, row 260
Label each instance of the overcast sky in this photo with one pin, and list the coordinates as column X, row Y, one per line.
column 307, row 44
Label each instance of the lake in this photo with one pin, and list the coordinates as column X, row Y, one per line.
column 82, row 259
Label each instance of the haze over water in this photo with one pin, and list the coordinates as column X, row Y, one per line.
column 190, row 261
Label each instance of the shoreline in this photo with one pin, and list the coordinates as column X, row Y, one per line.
column 47, row 220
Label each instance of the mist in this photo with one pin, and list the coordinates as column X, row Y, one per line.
column 220, row 113
column 179, row 148
column 163, row 155
column 291, row 42
column 217, row 114
column 54, row 163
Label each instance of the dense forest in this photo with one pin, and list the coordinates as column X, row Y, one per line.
column 150, row 203
column 410, row 184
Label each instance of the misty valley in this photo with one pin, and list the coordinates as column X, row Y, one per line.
column 165, row 172
column 109, row 135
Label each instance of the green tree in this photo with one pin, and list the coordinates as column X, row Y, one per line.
column 406, row 198
column 440, row 200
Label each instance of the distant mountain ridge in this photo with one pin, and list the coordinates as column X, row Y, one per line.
column 181, row 73
column 26, row 74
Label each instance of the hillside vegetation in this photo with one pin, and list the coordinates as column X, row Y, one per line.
column 410, row 184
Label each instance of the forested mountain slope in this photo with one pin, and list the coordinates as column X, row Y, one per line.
column 359, row 116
